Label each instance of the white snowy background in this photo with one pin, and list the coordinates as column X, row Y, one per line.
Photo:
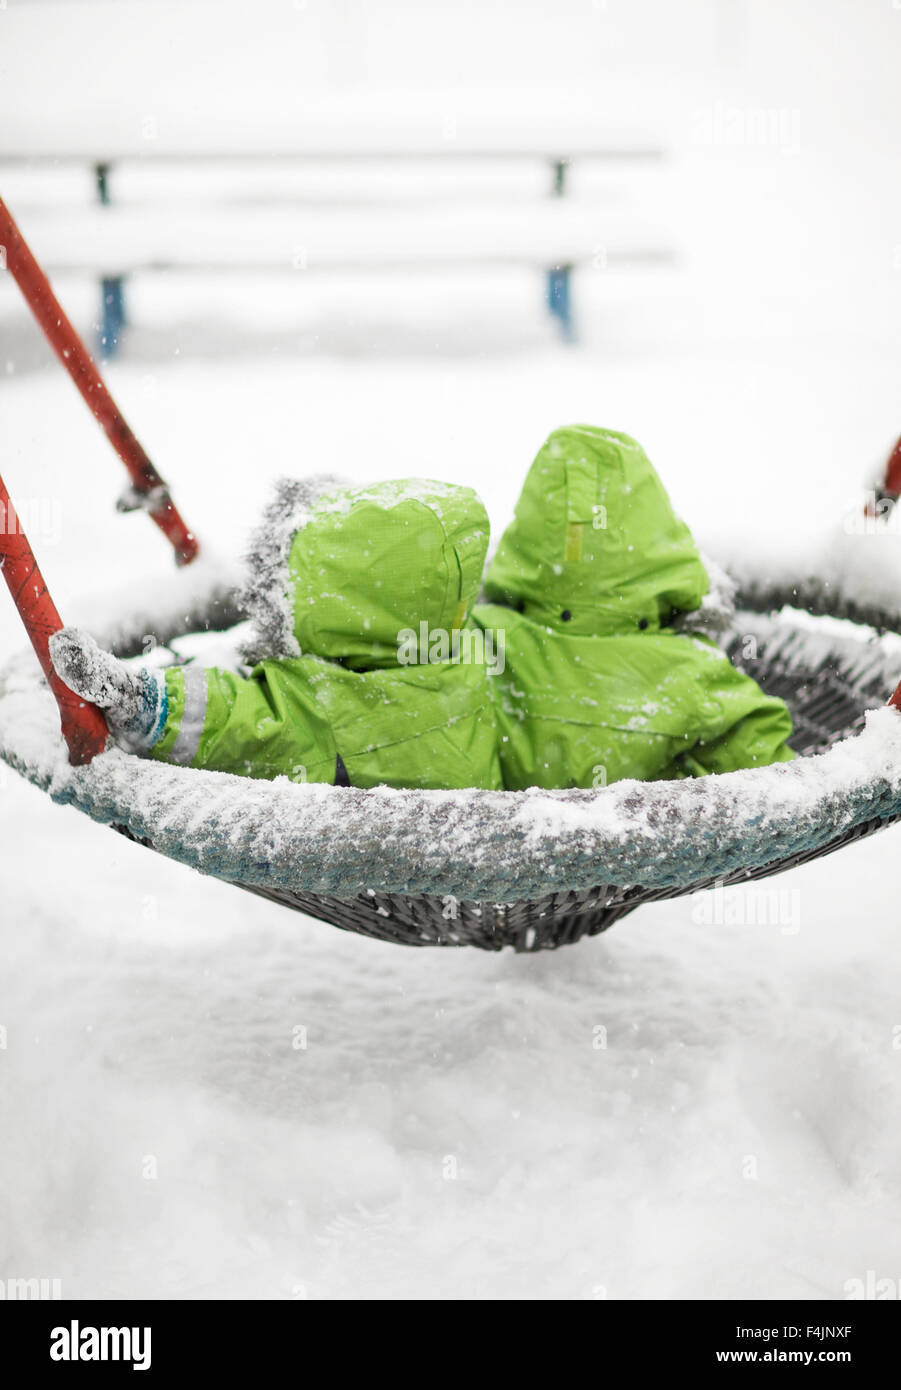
column 452, row 1129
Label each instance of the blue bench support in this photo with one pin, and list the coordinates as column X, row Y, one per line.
column 112, row 288
column 559, row 278
column 101, row 179
column 112, row 314
column 561, row 167
column 113, row 317
column 559, row 300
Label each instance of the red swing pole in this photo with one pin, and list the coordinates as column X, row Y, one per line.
column 890, row 490
column 81, row 367
column 891, row 485
column 83, row 725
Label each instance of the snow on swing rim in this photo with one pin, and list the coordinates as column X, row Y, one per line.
column 474, row 845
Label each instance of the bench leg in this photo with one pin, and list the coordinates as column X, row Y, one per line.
column 112, row 314
column 559, row 300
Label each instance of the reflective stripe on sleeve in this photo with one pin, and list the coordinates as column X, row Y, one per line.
column 184, row 749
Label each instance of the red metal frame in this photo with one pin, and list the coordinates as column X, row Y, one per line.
column 81, row 367
column 892, row 483
column 83, row 725
column 890, row 487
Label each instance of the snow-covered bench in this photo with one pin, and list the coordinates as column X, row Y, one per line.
column 196, row 219
column 317, row 96
column 291, row 176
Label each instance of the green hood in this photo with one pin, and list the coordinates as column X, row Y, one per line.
column 595, row 547
column 340, row 572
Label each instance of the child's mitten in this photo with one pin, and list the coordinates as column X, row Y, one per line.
column 134, row 702
column 717, row 610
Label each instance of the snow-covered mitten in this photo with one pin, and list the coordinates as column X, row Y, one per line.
column 134, row 702
column 717, row 610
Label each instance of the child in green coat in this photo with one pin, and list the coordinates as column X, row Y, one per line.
column 591, row 585
column 341, row 580
column 369, row 664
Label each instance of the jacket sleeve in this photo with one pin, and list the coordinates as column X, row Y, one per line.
column 746, row 728
column 267, row 725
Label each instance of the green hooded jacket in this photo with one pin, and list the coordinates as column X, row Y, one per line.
column 348, row 588
column 597, row 685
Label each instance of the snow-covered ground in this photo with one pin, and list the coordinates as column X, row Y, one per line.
column 207, row 1096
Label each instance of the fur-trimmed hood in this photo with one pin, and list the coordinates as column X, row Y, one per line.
column 266, row 594
column 340, row 571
